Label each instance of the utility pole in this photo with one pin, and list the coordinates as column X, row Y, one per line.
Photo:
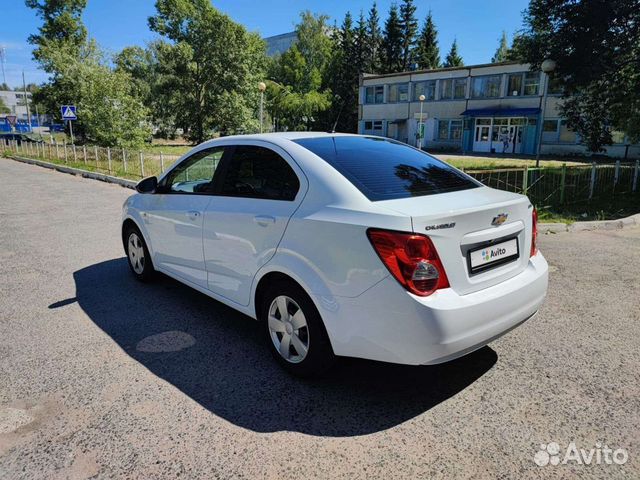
column 26, row 100
column 2, row 60
column 262, row 87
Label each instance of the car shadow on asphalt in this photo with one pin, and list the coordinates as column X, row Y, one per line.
column 220, row 359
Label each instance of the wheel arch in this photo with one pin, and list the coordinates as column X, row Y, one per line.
column 131, row 222
column 265, row 281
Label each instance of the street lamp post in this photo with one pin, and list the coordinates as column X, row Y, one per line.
column 420, row 123
column 262, row 87
column 547, row 67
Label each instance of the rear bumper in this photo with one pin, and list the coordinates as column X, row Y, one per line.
column 388, row 324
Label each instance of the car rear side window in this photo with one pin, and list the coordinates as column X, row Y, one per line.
column 384, row 169
column 258, row 172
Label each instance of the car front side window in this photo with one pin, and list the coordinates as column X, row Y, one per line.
column 195, row 174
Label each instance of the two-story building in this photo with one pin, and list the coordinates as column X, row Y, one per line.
column 480, row 108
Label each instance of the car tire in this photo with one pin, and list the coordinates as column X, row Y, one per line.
column 297, row 338
column 138, row 256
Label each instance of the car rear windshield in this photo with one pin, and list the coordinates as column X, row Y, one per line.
column 384, row 169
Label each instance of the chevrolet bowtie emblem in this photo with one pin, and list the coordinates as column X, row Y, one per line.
column 499, row 219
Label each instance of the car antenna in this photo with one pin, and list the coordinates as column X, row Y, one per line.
column 335, row 124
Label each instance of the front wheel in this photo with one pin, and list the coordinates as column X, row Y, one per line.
column 295, row 331
column 138, row 255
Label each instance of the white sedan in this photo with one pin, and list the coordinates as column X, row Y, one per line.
column 342, row 245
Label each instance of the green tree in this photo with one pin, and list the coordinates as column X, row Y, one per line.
column 219, row 65
column 3, row 107
column 374, row 37
column 156, row 73
column 453, row 58
column 109, row 113
column 596, row 47
column 392, row 42
column 316, row 47
column 427, row 51
column 345, row 77
column 502, row 53
column 299, row 94
column 62, row 28
column 409, row 26
column 362, row 46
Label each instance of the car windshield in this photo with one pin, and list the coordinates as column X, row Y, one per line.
column 384, row 169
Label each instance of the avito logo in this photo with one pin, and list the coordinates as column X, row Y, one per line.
column 489, row 254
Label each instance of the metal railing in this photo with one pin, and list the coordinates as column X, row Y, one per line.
column 548, row 186
column 119, row 162
column 554, row 186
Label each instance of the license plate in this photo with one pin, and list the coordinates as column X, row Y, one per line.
column 491, row 256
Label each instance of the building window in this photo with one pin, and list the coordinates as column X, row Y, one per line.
column 556, row 131
column 487, row 86
column 527, row 83
column 428, row 89
column 399, row 92
column 554, row 87
column 453, row 88
column 514, row 85
column 449, row 129
column 373, row 126
column 531, row 83
column 374, row 94
column 566, row 135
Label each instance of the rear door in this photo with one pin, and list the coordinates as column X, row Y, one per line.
column 261, row 187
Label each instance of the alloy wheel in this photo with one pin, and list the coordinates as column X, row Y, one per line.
column 288, row 329
column 136, row 253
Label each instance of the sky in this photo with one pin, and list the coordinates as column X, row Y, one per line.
column 115, row 24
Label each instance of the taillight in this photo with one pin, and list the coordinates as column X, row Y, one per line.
column 412, row 259
column 534, row 233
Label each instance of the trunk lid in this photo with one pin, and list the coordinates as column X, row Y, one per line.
column 460, row 222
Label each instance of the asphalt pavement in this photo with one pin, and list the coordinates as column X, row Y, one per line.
column 104, row 377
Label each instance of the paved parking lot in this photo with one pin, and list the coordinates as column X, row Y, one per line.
column 101, row 376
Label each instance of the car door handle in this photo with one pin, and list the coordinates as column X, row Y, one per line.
column 264, row 220
column 193, row 215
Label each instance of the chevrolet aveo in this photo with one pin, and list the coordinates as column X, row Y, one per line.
column 342, row 245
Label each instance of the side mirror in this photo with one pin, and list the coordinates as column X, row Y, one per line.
column 147, row 185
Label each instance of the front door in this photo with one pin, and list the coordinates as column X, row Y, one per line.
column 245, row 223
column 174, row 216
column 515, row 137
column 482, row 135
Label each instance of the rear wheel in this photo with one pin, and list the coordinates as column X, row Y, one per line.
column 295, row 331
column 138, row 254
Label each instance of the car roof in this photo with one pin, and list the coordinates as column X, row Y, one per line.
column 286, row 135
column 277, row 138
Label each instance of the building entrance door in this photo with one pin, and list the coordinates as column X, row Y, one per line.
column 482, row 135
column 506, row 135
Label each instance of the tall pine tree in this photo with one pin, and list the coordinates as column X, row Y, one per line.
column 374, row 63
column 502, row 53
column 361, row 45
column 427, row 51
column 392, row 42
column 345, row 74
column 453, row 58
column 409, row 25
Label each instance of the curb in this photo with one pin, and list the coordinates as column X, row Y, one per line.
column 77, row 171
column 591, row 225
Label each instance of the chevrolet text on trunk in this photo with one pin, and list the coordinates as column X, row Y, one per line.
column 342, row 245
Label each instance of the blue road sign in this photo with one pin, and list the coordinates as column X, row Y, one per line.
column 68, row 112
